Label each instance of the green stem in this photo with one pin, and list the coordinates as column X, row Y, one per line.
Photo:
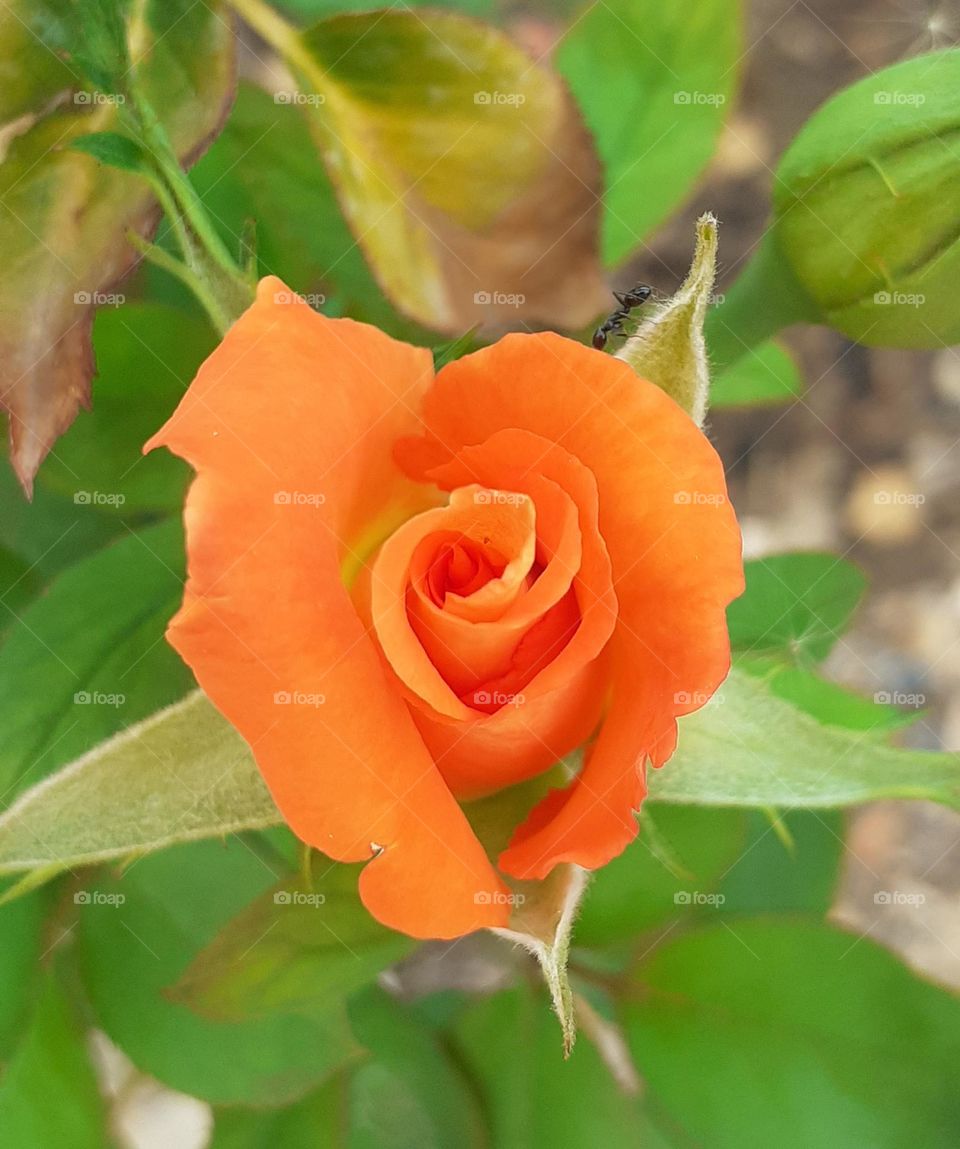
column 762, row 301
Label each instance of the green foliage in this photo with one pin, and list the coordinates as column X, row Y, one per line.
column 793, row 1033
column 532, row 1098
column 48, row 1093
column 654, row 82
column 20, row 926
column 764, row 376
column 749, row 748
column 295, row 947
column 681, row 852
column 87, row 657
column 795, row 605
column 99, row 461
column 134, row 950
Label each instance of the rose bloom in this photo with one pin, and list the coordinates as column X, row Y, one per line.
column 408, row 590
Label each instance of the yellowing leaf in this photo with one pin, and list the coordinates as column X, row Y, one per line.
column 461, row 165
column 64, row 218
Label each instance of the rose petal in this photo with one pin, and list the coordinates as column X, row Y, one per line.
column 673, row 543
column 300, row 408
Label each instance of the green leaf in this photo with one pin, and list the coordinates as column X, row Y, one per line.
column 765, row 376
column 48, row 1092
column 534, row 1099
column 768, row 877
column 174, row 904
column 680, row 856
column 654, row 81
column 50, row 533
column 746, row 747
column 265, row 167
column 22, row 27
column 20, row 925
column 829, row 703
column 749, row 748
column 19, row 582
column 295, row 948
column 795, row 605
column 100, row 460
column 58, row 200
column 407, row 110
column 316, row 1121
column 88, row 657
column 409, row 1094
column 792, row 1033
column 113, row 149
column 181, row 775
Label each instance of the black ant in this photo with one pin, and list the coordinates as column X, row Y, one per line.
column 628, row 300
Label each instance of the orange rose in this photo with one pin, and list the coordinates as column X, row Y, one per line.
column 406, row 591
